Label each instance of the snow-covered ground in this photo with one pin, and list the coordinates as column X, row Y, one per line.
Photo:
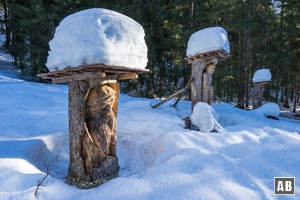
column 158, row 158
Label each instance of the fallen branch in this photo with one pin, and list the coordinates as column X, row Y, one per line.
column 173, row 95
column 40, row 181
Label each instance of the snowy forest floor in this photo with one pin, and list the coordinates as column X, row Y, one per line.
column 158, row 158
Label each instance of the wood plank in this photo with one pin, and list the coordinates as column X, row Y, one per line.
column 81, row 76
column 72, row 73
column 128, row 76
column 261, row 83
column 97, row 82
column 220, row 54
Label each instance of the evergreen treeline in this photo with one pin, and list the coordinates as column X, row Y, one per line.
column 263, row 33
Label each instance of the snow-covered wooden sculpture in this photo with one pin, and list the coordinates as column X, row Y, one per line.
column 205, row 48
column 92, row 50
column 260, row 78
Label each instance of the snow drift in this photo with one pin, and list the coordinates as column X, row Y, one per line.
column 97, row 36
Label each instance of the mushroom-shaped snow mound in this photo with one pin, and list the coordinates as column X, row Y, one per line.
column 208, row 40
column 97, row 36
column 262, row 75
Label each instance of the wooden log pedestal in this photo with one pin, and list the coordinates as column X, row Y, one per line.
column 203, row 66
column 259, row 88
column 93, row 106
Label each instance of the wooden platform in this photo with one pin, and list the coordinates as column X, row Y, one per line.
column 261, row 83
column 92, row 71
column 220, row 54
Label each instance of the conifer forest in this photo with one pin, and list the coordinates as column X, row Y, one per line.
column 262, row 34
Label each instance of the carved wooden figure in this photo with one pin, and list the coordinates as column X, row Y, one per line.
column 93, row 105
column 207, row 88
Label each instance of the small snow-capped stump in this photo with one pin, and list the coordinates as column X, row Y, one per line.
column 93, row 50
column 269, row 110
column 260, row 78
column 205, row 48
column 203, row 118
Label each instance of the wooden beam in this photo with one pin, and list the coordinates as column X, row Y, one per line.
column 260, row 83
column 97, row 82
column 219, row 54
column 75, row 73
column 128, row 76
column 81, row 76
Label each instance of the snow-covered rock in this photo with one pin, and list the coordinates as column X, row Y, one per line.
column 262, row 75
column 203, row 117
column 268, row 110
column 207, row 40
column 97, row 36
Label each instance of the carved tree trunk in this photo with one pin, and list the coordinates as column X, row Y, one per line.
column 258, row 98
column 196, row 85
column 207, row 89
column 92, row 118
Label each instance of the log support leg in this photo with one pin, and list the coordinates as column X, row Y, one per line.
column 258, row 98
column 92, row 126
column 196, row 86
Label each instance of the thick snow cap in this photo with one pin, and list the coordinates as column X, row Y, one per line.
column 97, row 36
column 262, row 75
column 207, row 40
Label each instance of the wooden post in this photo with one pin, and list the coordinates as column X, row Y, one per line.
column 77, row 93
column 202, row 73
column 196, row 85
column 259, row 89
column 92, row 124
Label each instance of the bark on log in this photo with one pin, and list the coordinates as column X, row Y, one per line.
column 93, row 117
column 196, row 86
column 77, row 93
column 258, row 98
